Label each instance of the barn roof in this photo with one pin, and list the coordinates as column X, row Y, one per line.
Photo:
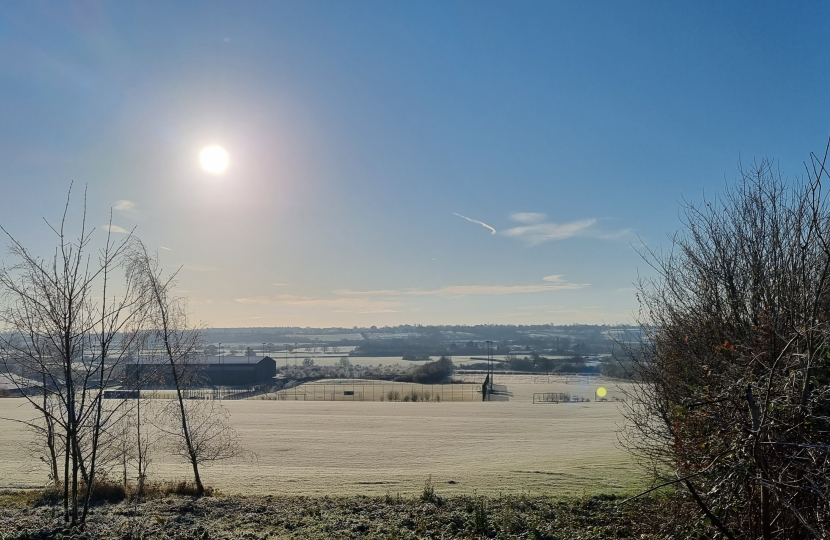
column 236, row 359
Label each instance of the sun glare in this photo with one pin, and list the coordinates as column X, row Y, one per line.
column 214, row 159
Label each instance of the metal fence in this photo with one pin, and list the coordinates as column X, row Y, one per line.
column 218, row 392
column 378, row 392
column 563, row 397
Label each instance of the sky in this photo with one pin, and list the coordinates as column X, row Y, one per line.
column 428, row 162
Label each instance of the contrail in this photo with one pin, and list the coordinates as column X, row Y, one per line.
column 492, row 230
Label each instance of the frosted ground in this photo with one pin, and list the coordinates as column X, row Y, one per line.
column 319, row 448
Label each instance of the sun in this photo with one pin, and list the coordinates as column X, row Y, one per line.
column 214, row 159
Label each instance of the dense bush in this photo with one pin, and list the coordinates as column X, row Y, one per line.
column 733, row 402
column 434, row 372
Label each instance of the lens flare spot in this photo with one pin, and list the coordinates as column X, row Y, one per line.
column 601, row 391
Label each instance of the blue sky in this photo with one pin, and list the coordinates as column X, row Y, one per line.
column 359, row 133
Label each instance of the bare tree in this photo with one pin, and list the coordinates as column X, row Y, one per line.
column 732, row 398
column 62, row 319
column 200, row 434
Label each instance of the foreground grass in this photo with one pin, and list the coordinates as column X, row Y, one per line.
column 390, row 517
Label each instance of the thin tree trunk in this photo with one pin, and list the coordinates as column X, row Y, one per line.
column 50, row 434
column 53, row 455
column 140, row 487
column 90, row 479
column 75, row 468
column 200, row 489
column 66, row 478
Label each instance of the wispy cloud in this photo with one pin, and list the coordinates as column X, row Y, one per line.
column 116, row 229
column 124, row 205
column 369, row 311
column 554, row 283
column 256, row 300
column 477, row 222
column 528, row 217
column 545, row 232
column 535, row 230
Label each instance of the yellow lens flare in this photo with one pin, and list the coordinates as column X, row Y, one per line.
column 601, row 391
column 214, row 159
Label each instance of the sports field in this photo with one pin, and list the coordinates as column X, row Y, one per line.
column 372, row 447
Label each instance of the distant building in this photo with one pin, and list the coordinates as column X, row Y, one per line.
column 209, row 371
column 17, row 386
column 239, row 370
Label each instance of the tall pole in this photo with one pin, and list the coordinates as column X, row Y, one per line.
column 490, row 363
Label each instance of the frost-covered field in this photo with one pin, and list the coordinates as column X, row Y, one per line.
column 379, row 447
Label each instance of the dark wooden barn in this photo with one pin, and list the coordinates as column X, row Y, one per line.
column 208, row 371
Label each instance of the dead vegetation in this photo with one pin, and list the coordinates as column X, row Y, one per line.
column 733, row 394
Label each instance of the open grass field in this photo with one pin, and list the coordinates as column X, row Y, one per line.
column 374, row 448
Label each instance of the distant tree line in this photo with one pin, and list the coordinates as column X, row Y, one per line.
column 536, row 363
column 422, row 348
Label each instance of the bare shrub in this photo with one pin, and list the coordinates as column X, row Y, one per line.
column 210, row 435
column 732, row 397
column 429, row 495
